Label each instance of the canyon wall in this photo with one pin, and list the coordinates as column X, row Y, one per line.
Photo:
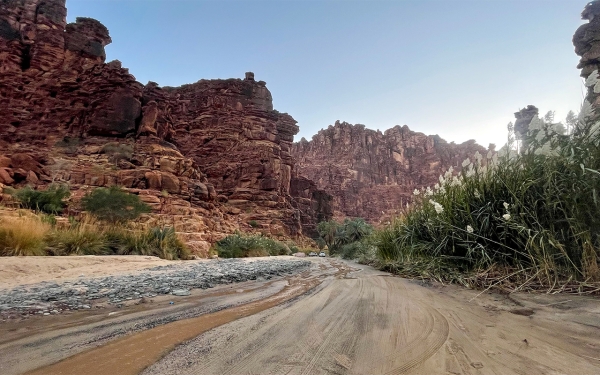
column 371, row 174
column 209, row 157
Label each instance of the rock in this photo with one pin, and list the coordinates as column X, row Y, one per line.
column 4, row 162
column 119, row 115
column 32, row 178
column 181, row 292
column 150, row 114
column 69, row 116
column 523, row 118
column 353, row 164
column 25, row 162
column 5, row 177
column 587, row 45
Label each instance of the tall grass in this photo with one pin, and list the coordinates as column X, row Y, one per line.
column 161, row 242
column 238, row 246
column 80, row 238
column 34, row 235
column 531, row 217
column 23, row 235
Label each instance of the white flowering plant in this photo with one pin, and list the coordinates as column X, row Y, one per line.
column 532, row 210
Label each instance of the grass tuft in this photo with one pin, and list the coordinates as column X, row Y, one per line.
column 22, row 236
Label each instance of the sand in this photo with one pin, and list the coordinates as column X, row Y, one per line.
column 30, row 270
column 362, row 322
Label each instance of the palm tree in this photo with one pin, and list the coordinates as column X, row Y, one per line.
column 356, row 229
column 328, row 232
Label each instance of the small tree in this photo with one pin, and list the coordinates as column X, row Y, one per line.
column 50, row 201
column 328, row 231
column 114, row 205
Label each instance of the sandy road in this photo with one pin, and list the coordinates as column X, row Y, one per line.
column 371, row 323
column 323, row 321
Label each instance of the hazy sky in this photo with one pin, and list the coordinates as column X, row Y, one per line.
column 456, row 68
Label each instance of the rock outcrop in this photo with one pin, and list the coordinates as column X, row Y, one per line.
column 371, row 174
column 587, row 45
column 209, row 157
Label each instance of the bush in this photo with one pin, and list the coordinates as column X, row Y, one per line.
column 160, row 242
column 533, row 217
column 363, row 249
column 23, row 236
column 117, row 151
column 114, row 205
column 239, row 246
column 254, row 224
column 77, row 241
column 50, row 201
column 336, row 235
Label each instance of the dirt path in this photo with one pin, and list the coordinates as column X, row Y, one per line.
column 371, row 323
column 324, row 321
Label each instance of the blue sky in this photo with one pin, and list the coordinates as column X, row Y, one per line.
column 457, row 68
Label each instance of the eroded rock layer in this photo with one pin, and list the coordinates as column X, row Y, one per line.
column 587, row 45
column 209, row 157
column 371, row 174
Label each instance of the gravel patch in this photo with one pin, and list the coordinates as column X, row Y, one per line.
column 51, row 298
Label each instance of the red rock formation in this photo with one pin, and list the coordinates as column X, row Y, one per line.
column 372, row 174
column 210, row 156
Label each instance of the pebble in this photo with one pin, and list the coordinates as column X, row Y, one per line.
column 48, row 298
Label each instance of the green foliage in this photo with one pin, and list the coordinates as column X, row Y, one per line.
column 50, row 201
column 535, row 213
column 238, row 246
column 160, row 242
column 362, row 250
column 79, row 239
column 254, row 224
column 114, row 205
column 342, row 238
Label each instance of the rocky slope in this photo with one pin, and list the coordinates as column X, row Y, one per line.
column 209, row 157
column 371, row 174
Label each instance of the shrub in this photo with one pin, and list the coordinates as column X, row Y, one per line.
column 50, row 201
column 253, row 224
column 363, row 249
column 337, row 235
column 22, row 236
column 160, row 242
column 238, row 246
column 532, row 217
column 80, row 239
column 114, row 205
column 117, row 151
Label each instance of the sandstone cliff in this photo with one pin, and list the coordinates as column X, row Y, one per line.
column 209, row 157
column 371, row 174
column 587, row 45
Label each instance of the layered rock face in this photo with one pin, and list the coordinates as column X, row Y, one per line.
column 587, row 45
column 209, row 157
column 371, row 174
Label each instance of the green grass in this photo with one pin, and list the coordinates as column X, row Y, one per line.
column 49, row 201
column 530, row 219
column 160, row 242
column 239, row 246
